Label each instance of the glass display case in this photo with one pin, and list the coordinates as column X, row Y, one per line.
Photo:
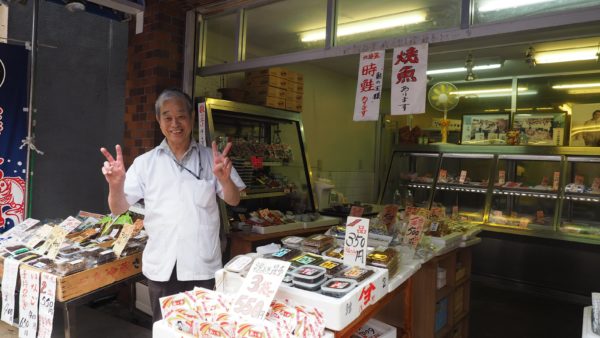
column 551, row 192
column 268, row 154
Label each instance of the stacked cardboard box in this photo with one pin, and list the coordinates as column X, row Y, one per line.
column 275, row 87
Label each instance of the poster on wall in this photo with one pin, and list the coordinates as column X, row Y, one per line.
column 409, row 79
column 585, row 125
column 540, row 129
column 13, row 129
column 484, row 128
column 368, row 87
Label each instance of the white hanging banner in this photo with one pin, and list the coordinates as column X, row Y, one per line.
column 46, row 309
column 368, row 87
column 409, row 79
column 9, row 284
column 202, row 123
column 28, row 303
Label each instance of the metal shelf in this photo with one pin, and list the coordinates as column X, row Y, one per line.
column 263, row 195
column 526, row 193
column 572, row 196
column 461, row 187
column 419, row 185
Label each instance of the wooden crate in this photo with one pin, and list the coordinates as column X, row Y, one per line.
column 83, row 282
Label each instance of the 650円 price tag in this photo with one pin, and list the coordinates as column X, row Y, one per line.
column 254, row 297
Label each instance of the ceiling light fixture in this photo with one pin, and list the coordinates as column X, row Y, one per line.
column 567, row 55
column 75, row 6
column 368, row 25
column 469, row 64
column 498, row 92
column 498, row 5
column 577, row 85
column 463, row 69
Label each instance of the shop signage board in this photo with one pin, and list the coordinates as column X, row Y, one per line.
column 28, row 303
column 369, row 85
column 202, row 123
column 46, row 309
column 409, row 79
column 9, row 284
column 254, row 298
column 355, row 241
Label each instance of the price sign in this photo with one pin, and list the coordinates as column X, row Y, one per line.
column 443, row 175
column 596, row 185
column 41, row 234
column 124, row 237
column 28, row 303
column 355, row 242
column 9, row 284
column 46, row 309
column 70, row 223
column 414, row 231
column 57, row 237
column 388, row 216
column 356, row 211
column 257, row 162
column 463, row 176
column 18, row 230
column 556, row 180
column 254, row 297
column 501, row 177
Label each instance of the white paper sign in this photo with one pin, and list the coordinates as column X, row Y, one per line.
column 355, row 242
column 368, row 87
column 46, row 309
column 40, row 234
column 414, row 231
column 124, row 237
column 254, row 297
column 202, row 123
column 70, row 223
column 28, row 303
column 409, row 79
column 9, row 284
column 57, row 237
column 18, row 231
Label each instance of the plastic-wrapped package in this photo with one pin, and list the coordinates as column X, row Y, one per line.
column 332, row 267
column 69, row 267
column 338, row 287
column 356, row 273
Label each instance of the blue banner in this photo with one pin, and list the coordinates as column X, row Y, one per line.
column 13, row 129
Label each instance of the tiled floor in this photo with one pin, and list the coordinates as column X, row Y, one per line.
column 494, row 313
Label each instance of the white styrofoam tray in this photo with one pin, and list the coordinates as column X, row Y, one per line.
column 406, row 270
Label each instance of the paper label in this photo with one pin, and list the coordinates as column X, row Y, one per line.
column 70, row 223
column 254, row 298
column 443, row 175
column 414, row 231
column 463, row 176
column 388, row 216
column 355, row 241
column 40, row 235
column 46, row 308
column 596, row 185
column 9, row 284
column 501, row 177
column 202, row 123
column 18, row 231
column 556, row 180
column 124, row 237
column 55, row 241
column 28, row 303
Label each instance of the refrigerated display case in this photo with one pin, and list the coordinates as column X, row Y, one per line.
column 551, row 192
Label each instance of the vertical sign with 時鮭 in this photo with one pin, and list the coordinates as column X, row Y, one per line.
column 355, row 241
column 368, row 87
column 409, row 79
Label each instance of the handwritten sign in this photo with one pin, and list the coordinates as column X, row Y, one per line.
column 443, row 175
column 9, row 284
column 409, row 79
column 46, row 308
column 202, row 123
column 414, row 231
column 355, row 241
column 254, row 298
column 556, row 180
column 463, row 176
column 28, row 303
column 124, row 237
column 56, row 239
column 41, row 234
column 596, row 185
column 501, row 177
column 388, row 216
column 369, row 85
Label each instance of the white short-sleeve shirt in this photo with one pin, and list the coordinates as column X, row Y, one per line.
column 182, row 214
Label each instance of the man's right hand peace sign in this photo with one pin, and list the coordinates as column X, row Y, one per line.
column 113, row 170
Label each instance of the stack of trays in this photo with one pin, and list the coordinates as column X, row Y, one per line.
column 244, row 169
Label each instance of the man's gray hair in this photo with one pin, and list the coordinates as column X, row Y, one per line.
column 169, row 94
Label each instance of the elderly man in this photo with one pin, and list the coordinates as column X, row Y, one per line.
column 178, row 181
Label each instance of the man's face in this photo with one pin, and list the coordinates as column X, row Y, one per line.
column 175, row 122
column 597, row 115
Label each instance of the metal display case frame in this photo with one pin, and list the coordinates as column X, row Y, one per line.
column 564, row 155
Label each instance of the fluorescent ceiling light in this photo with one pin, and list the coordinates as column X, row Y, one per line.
column 566, row 55
column 463, row 69
column 576, row 85
column 368, row 25
column 498, row 92
column 584, row 91
column 497, row 5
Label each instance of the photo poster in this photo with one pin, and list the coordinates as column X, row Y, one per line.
column 585, row 125
column 541, row 129
column 485, row 129
column 13, row 129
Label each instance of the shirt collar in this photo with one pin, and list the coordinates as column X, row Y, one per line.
column 164, row 146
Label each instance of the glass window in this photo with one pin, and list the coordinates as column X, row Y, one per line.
column 285, row 27
column 580, row 213
column 360, row 20
column 499, row 10
column 220, row 39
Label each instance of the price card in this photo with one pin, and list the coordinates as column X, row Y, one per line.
column 257, row 162
column 46, row 309
column 254, row 297
column 556, row 180
column 414, row 231
column 56, row 239
column 596, row 185
column 40, row 235
column 388, row 216
column 501, row 177
column 463, row 176
column 9, row 284
column 356, row 211
column 124, row 237
column 579, row 179
column 70, row 223
column 28, row 303
column 355, row 242
column 443, row 175
column 18, row 231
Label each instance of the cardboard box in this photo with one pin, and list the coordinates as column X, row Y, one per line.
column 295, row 76
column 295, row 87
column 86, row 281
column 293, row 96
column 270, row 80
column 273, row 71
column 261, row 92
column 268, row 101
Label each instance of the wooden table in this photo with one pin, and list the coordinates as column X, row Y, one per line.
column 243, row 242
